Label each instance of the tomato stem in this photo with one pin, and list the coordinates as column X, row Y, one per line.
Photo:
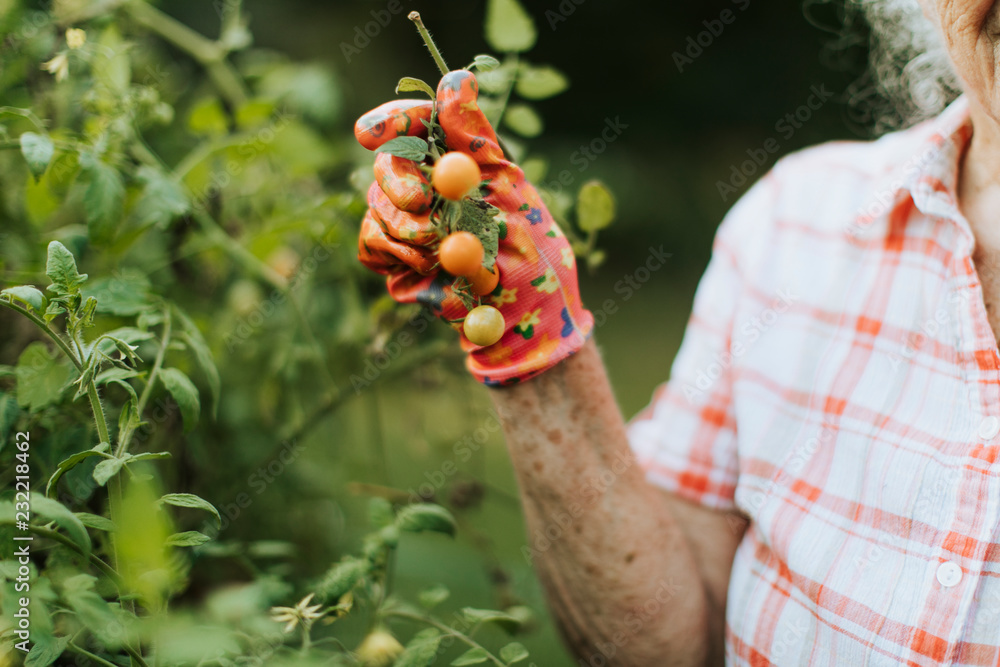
column 429, row 41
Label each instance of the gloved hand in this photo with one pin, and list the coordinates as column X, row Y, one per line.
column 537, row 295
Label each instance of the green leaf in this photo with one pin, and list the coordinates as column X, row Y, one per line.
column 480, row 218
column 595, row 206
column 380, row 513
column 40, row 377
column 9, row 412
column 26, row 294
column 107, row 469
column 474, row 656
column 189, row 538
column 426, row 516
column 45, row 650
column 524, row 120
column 539, row 83
column 507, row 621
column 148, row 456
column 70, row 463
column 422, row 650
column 163, row 199
column 408, row 84
column 207, row 118
column 192, row 501
column 53, row 510
column 203, row 355
column 37, row 150
column 96, row 521
column 60, row 267
column 184, row 392
column 91, row 609
column 513, row 652
column 434, row 596
column 484, row 63
column 508, row 27
column 103, row 200
column 125, row 292
column 409, row 148
column 341, row 578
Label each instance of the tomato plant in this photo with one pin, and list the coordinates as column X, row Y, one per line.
column 183, row 319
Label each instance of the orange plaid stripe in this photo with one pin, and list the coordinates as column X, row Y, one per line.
column 839, row 384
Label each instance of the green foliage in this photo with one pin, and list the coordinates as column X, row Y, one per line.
column 179, row 278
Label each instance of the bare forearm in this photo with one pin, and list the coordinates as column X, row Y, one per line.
column 619, row 573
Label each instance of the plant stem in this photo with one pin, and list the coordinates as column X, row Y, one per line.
column 84, row 652
column 111, row 573
column 429, row 41
column 123, row 443
column 472, row 643
column 209, row 53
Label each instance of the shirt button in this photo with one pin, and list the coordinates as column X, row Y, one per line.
column 949, row 574
column 989, row 427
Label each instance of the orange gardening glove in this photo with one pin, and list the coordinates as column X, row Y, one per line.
column 537, row 294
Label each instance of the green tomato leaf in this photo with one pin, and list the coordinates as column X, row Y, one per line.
column 426, row 516
column 163, row 199
column 524, row 120
column 37, row 150
column 484, row 63
column 103, row 200
column 9, row 412
column 70, row 463
column 434, row 596
column 513, row 652
column 40, row 377
column 45, row 650
column 539, row 83
column 185, row 393
column 341, row 578
column 505, row 620
column 508, row 27
column 191, row 335
column 483, row 220
column 474, row 656
column 595, row 206
column 408, row 84
column 91, row 609
column 190, row 500
column 26, row 294
column 53, row 510
column 189, row 538
column 207, row 118
column 107, row 469
column 408, row 148
column 96, row 521
column 60, row 267
column 422, row 650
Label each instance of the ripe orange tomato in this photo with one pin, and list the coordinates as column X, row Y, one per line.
column 484, row 281
column 461, row 254
column 484, row 325
column 455, row 174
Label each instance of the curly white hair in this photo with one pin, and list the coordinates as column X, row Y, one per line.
column 910, row 68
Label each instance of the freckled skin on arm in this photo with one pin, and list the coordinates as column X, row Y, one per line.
column 631, row 572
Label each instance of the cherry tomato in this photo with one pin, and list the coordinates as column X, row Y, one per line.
column 461, row 254
column 455, row 174
column 484, row 325
column 484, row 281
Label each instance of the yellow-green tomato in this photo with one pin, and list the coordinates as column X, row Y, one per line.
column 484, row 325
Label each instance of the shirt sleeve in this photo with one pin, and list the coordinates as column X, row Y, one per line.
column 686, row 438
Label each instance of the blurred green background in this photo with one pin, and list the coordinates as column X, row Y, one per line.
column 685, row 132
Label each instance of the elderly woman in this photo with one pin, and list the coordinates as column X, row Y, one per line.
column 818, row 481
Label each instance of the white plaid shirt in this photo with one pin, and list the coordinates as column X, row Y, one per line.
column 839, row 384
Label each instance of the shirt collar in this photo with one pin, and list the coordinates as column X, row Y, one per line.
column 930, row 175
